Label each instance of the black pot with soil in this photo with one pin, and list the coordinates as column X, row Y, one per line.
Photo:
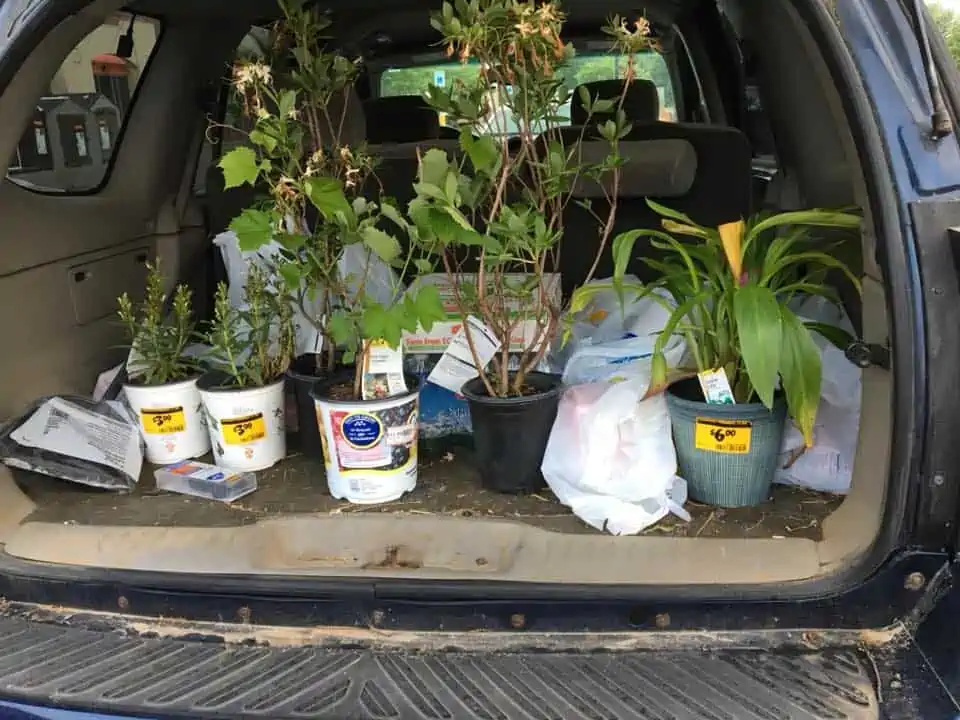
column 302, row 376
column 510, row 434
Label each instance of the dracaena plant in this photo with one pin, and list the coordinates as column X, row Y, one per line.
column 158, row 341
column 321, row 194
column 729, row 291
column 505, row 202
column 251, row 346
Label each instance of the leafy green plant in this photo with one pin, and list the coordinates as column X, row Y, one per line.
column 730, row 288
column 251, row 346
column 506, row 204
column 158, row 342
column 299, row 150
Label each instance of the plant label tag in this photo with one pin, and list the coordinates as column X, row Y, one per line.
column 163, row 422
column 456, row 366
column 728, row 437
column 382, row 372
column 716, row 387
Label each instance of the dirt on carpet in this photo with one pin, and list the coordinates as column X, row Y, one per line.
column 448, row 485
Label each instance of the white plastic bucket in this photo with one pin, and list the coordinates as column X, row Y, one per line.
column 247, row 426
column 369, row 446
column 171, row 420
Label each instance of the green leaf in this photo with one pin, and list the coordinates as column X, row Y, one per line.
column 429, row 306
column 340, row 327
column 377, row 323
column 423, row 265
column 484, row 152
column 759, row 327
column 808, row 218
column 800, row 369
column 434, row 166
column 268, row 142
column 254, row 229
column 327, row 196
column 393, row 214
column 666, row 212
column 384, row 245
column 240, row 167
column 288, row 101
column 622, row 251
column 836, row 336
column 290, row 272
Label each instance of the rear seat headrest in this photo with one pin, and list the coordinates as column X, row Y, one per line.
column 400, row 119
column 642, row 103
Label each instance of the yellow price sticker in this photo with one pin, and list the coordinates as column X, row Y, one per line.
column 731, row 437
column 163, row 421
column 240, row 431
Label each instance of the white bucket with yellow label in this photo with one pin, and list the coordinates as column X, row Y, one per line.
column 171, row 420
column 247, row 427
column 369, row 446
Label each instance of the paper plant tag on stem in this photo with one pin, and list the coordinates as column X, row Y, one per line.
column 457, row 365
column 382, row 371
column 716, row 387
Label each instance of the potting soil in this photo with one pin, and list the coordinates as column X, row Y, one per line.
column 448, row 485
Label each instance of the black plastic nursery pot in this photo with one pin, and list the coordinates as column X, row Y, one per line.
column 726, row 453
column 510, row 434
column 303, row 375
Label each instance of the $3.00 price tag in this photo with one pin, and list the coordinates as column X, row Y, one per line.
column 730, row 437
column 163, row 421
column 241, row 431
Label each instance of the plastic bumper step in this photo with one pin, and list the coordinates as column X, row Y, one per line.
column 111, row 672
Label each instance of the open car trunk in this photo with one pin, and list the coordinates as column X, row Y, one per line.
column 79, row 247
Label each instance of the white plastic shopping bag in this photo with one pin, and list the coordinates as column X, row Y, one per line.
column 611, row 459
column 607, row 335
column 828, row 465
column 357, row 265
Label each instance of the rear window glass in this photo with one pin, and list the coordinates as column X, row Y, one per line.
column 74, row 128
column 584, row 68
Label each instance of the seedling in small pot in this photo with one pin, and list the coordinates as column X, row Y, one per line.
column 162, row 385
column 243, row 394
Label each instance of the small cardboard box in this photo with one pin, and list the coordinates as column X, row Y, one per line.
column 440, row 335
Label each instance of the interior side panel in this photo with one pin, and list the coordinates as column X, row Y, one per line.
column 66, row 258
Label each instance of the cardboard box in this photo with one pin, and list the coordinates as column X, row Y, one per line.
column 440, row 335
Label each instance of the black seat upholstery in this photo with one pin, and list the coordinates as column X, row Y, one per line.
column 401, row 119
column 703, row 171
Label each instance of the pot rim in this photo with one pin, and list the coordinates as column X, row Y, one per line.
column 210, row 376
column 195, row 378
column 779, row 398
column 485, row 399
column 414, row 384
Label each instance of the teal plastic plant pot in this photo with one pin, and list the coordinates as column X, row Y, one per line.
column 726, row 453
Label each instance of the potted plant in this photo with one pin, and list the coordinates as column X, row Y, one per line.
column 756, row 362
column 333, row 226
column 297, row 109
column 504, row 204
column 162, row 386
column 243, row 397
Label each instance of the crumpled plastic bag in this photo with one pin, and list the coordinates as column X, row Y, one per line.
column 356, row 264
column 828, row 465
column 72, row 438
column 605, row 336
column 610, row 457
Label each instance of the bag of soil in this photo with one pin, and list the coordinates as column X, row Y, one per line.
column 75, row 439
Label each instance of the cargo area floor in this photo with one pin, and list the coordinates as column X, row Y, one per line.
column 448, row 486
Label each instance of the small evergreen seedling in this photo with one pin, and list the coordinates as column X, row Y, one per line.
column 252, row 346
column 158, row 342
